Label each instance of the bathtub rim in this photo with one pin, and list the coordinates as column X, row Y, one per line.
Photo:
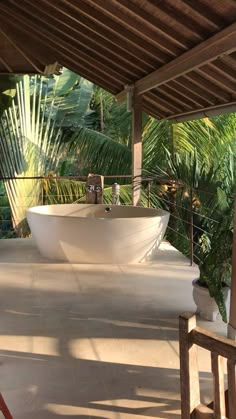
column 163, row 212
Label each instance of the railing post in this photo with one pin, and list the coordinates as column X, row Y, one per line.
column 189, row 376
column 217, row 367
column 231, row 369
column 232, row 315
column 136, row 149
column 149, row 193
column 191, row 227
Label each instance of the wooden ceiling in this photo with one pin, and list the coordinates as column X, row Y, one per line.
column 179, row 54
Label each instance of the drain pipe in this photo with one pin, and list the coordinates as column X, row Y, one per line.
column 115, row 194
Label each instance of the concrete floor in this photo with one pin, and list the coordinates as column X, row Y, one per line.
column 93, row 341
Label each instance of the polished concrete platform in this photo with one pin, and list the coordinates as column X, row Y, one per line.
column 93, row 341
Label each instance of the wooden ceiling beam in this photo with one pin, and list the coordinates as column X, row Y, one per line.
column 132, row 22
column 27, row 58
column 177, row 19
column 224, row 70
column 55, row 42
column 166, row 92
column 6, row 65
column 82, row 36
column 160, row 27
column 153, row 111
column 229, row 61
column 185, row 94
column 203, row 113
column 195, row 90
column 88, row 74
column 159, row 100
column 116, row 32
column 221, row 43
column 220, row 81
column 201, row 13
column 209, row 87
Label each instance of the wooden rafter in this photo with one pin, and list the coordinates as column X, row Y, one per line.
column 223, row 42
column 179, row 54
column 204, row 112
column 20, row 50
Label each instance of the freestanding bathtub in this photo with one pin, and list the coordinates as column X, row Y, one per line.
column 88, row 233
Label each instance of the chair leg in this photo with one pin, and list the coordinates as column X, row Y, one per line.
column 4, row 409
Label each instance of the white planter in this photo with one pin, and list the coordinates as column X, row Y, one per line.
column 206, row 305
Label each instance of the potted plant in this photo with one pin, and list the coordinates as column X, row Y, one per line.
column 211, row 290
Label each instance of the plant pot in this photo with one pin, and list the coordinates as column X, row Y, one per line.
column 206, row 305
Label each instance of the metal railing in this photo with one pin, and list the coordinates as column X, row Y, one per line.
column 163, row 199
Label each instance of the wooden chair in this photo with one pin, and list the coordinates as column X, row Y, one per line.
column 192, row 336
column 4, row 409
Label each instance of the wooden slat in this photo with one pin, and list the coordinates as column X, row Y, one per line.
column 168, row 13
column 136, row 149
column 65, row 47
column 88, row 74
column 230, row 61
column 189, row 377
column 116, row 32
column 219, row 44
column 209, row 86
column 143, row 30
column 210, row 341
column 171, row 96
column 200, row 92
column 201, row 13
column 6, row 65
column 231, row 388
column 154, row 110
column 222, row 68
column 219, row 80
column 82, row 36
column 157, row 99
column 183, row 95
column 217, row 367
column 27, row 58
column 203, row 412
column 168, row 31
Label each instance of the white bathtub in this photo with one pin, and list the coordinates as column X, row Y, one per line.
column 88, row 233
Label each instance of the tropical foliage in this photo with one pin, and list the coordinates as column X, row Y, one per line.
column 63, row 125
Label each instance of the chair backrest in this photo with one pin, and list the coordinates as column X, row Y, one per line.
column 190, row 337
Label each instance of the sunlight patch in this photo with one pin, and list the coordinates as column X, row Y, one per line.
column 40, row 345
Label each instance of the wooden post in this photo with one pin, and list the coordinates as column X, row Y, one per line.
column 189, row 376
column 136, row 149
column 191, row 227
column 232, row 315
column 149, row 194
column 94, row 189
column 231, row 388
column 217, row 367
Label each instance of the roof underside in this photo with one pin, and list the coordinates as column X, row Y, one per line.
column 179, row 54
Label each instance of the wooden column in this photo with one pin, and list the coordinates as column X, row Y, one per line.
column 232, row 315
column 136, row 149
column 189, row 376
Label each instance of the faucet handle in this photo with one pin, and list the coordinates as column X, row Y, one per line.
column 98, row 188
column 90, row 188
